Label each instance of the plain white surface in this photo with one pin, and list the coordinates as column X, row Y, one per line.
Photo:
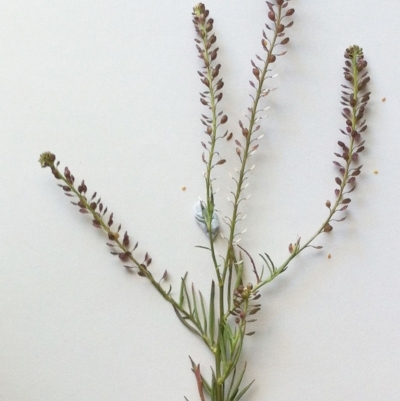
column 111, row 88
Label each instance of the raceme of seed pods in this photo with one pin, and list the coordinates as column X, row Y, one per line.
column 225, row 317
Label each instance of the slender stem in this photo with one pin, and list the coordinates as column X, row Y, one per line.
column 219, row 389
column 246, row 153
column 209, row 187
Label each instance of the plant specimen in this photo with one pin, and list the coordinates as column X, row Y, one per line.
column 224, row 317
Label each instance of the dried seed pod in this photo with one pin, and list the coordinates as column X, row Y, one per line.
column 280, row 28
column 272, row 16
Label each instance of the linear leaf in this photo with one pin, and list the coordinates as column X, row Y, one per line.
column 268, row 264
column 195, row 309
column 185, row 323
column 203, row 310
column 187, row 296
column 239, row 274
column 235, row 389
column 182, row 294
column 241, row 394
column 203, row 247
column 214, row 386
column 211, row 313
column 222, row 345
column 229, row 291
column 232, row 381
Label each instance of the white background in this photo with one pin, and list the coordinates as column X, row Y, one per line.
column 110, row 86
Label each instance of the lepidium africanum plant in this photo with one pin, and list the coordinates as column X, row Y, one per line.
column 226, row 317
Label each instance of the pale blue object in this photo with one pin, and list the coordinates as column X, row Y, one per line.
column 199, row 216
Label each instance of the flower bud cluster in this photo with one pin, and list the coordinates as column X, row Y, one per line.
column 208, row 52
column 243, row 295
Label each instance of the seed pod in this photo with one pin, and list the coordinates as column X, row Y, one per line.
column 271, row 16
column 280, row 28
column 264, row 43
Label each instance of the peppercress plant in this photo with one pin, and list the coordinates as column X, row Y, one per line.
column 225, row 318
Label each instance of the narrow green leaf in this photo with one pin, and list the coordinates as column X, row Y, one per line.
column 203, row 310
column 206, row 385
column 203, row 247
column 229, row 291
column 222, row 345
column 267, row 263
column 182, row 294
column 195, row 310
column 272, row 263
column 241, row 394
column 238, row 349
column 234, row 390
column 185, row 323
column 262, row 273
column 214, row 386
column 187, row 296
column 229, row 332
column 239, row 274
column 211, row 313
column 232, row 381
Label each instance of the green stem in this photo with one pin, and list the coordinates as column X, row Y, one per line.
column 210, row 208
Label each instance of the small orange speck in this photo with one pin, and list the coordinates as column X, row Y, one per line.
column 183, row 188
column 383, row 99
column 375, row 171
column 329, row 255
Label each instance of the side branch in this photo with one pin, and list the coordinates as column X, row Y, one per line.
column 277, row 14
column 355, row 99
column 119, row 247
